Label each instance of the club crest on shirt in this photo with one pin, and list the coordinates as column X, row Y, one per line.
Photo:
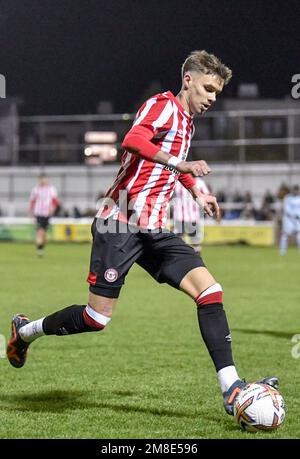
column 111, row 275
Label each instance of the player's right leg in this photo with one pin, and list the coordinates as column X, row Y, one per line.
column 113, row 253
column 68, row 321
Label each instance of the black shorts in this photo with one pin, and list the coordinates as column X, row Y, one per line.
column 165, row 256
column 42, row 222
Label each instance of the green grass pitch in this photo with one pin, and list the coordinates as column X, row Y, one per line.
column 148, row 375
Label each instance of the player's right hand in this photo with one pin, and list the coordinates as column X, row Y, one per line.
column 196, row 168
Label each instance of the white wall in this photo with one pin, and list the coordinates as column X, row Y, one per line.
column 256, row 178
column 80, row 185
column 76, row 185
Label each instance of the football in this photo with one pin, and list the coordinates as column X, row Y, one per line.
column 259, row 407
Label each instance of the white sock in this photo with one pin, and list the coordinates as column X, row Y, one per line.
column 227, row 376
column 32, row 331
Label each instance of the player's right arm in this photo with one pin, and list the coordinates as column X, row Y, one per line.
column 151, row 122
column 142, row 146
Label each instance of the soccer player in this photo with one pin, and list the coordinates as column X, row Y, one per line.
column 187, row 213
column 129, row 226
column 43, row 202
column 290, row 219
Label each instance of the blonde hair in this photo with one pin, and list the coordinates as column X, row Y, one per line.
column 203, row 62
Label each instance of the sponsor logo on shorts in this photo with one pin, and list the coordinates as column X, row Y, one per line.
column 111, row 275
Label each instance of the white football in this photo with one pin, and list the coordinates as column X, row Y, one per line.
column 259, row 407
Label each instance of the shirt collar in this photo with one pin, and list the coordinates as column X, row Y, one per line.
column 173, row 98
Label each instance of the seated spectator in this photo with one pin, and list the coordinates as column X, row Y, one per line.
column 235, row 212
column 269, row 197
column 221, row 198
column 248, row 211
column 265, row 213
column 89, row 212
column 76, row 212
column 283, row 191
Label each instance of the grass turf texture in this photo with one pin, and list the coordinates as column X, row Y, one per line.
column 148, row 375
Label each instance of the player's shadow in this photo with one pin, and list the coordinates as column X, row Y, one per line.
column 276, row 334
column 48, row 401
column 60, row 401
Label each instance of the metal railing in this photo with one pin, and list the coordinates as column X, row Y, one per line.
column 234, row 135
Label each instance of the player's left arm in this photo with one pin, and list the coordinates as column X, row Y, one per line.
column 187, row 180
column 206, row 201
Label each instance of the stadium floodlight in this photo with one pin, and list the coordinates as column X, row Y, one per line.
column 88, row 151
column 100, row 146
column 100, row 137
column 97, row 154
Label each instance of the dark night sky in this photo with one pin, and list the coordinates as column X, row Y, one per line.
column 63, row 56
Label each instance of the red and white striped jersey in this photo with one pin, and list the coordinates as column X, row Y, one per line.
column 185, row 207
column 142, row 189
column 43, row 200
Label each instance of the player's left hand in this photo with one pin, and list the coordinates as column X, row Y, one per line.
column 196, row 168
column 209, row 204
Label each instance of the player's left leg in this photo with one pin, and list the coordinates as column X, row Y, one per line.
column 172, row 261
column 208, row 295
column 40, row 241
column 283, row 243
column 287, row 230
column 215, row 332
